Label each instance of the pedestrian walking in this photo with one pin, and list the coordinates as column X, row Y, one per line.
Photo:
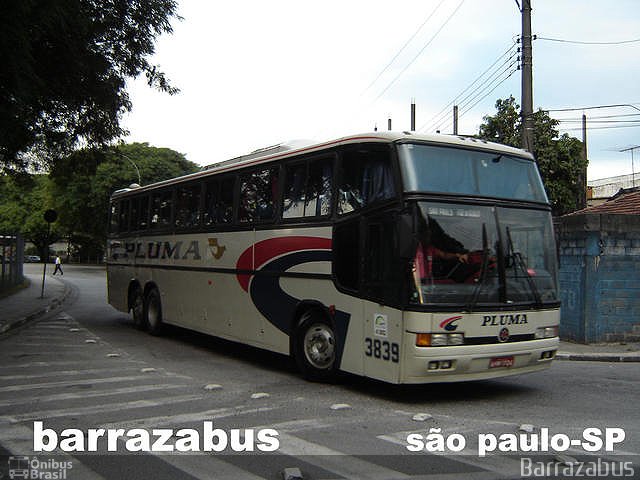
column 58, row 268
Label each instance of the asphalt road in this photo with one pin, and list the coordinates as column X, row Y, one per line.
column 85, row 367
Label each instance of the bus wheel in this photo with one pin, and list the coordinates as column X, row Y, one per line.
column 137, row 308
column 315, row 347
column 153, row 312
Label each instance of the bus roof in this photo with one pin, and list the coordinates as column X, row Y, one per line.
column 284, row 150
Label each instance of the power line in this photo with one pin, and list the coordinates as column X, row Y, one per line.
column 576, row 109
column 599, row 116
column 599, row 121
column 636, row 40
column 405, row 45
column 420, row 52
column 479, row 97
column 600, row 128
column 438, row 117
column 491, row 91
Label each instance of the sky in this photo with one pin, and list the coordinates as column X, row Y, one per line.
column 254, row 73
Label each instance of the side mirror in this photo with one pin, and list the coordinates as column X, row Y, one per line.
column 407, row 242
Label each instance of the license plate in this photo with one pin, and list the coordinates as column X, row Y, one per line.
column 498, row 362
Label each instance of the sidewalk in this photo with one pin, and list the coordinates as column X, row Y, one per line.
column 599, row 352
column 26, row 304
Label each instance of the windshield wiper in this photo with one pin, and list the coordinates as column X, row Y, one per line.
column 483, row 276
column 519, row 262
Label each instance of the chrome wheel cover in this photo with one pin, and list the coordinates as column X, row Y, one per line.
column 319, row 346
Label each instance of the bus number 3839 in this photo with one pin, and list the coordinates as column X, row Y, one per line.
column 382, row 349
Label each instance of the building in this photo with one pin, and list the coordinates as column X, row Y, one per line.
column 599, row 191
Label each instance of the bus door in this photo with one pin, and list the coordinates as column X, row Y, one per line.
column 381, row 288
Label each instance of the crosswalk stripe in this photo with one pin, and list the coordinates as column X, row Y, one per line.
column 188, row 418
column 61, row 397
column 112, row 407
column 206, row 466
column 89, row 381
column 56, row 373
column 335, row 461
column 59, row 363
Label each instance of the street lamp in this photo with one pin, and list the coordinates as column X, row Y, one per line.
column 134, row 166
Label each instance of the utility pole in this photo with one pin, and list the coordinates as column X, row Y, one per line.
column 455, row 119
column 527, row 78
column 413, row 115
column 582, row 201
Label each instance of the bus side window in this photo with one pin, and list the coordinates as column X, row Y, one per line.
column 366, row 179
column 188, row 206
column 258, row 192
column 143, row 216
column 113, row 217
column 294, row 198
column 161, row 204
column 224, row 207
column 123, row 221
column 318, row 196
column 135, row 213
column 211, row 200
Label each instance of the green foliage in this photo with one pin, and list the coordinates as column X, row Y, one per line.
column 23, row 201
column 64, row 68
column 559, row 158
column 83, row 182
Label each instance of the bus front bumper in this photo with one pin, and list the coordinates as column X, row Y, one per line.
column 476, row 362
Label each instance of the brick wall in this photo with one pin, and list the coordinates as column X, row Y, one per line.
column 600, row 277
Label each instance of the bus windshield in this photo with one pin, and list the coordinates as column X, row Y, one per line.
column 427, row 168
column 483, row 255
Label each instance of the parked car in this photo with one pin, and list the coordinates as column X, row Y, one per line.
column 32, row 258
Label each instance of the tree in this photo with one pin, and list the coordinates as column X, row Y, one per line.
column 559, row 157
column 83, row 182
column 23, row 201
column 63, row 74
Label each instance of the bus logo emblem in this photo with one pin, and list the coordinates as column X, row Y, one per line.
column 503, row 336
column 216, row 250
column 449, row 324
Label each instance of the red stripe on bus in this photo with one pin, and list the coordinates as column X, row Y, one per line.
column 257, row 255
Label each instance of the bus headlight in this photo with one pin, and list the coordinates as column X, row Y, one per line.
column 439, row 339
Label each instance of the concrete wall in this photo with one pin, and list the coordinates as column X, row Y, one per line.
column 600, row 277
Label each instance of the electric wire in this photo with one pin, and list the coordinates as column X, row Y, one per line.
column 479, row 97
column 395, row 79
column 559, row 40
column 404, row 46
column 438, row 118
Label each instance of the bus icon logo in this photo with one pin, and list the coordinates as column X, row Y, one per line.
column 18, row 467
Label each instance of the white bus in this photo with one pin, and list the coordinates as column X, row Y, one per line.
column 404, row 258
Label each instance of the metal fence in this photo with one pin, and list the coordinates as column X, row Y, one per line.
column 11, row 258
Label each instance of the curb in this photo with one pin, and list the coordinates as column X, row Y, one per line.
column 598, row 357
column 55, row 303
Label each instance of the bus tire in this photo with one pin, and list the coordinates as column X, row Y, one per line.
column 137, row 308
column 153, row 312
column 315, row 347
